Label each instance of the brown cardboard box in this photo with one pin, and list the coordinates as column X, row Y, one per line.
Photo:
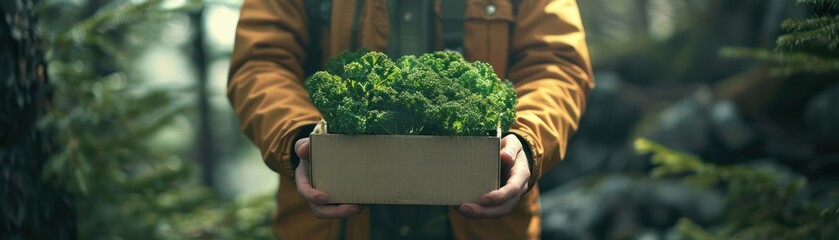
column 404, row 169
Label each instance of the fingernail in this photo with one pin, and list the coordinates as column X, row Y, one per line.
column 321, row 199
column 486, row 200
column 355, row 209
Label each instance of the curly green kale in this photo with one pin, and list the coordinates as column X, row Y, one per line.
column 440, row 93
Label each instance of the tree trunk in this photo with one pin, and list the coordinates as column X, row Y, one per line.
column 205, row 150
column 640, row 24
column 30, row 207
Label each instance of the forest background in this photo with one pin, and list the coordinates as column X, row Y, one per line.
column 711, row 119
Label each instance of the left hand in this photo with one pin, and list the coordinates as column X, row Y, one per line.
column 500, row 202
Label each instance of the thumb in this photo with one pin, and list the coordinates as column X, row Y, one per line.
column 301, row 147
column 510, row 147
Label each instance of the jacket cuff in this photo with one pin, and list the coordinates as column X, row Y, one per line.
column 527, row 151
column 302, row 132
column 289, row 159
column 534, row 157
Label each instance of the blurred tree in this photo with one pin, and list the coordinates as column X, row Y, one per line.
column 661, row 42
column 106, row 119
column 809, row 46
column 804, row 62
column 205, row 150
column 29, row 207
column 764, row 204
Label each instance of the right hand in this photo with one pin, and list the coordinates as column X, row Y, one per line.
column 317, row 199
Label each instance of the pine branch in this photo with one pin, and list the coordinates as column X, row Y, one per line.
column 832, row 4
column 759, row 204
column 788, row 63
column 701, row 174
column 826, row 35
column 691, row 230
column 797, row 25
column 807, row 63
column 89, row 32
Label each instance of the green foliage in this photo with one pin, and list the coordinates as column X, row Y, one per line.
column 820, row 30
column 810, row 46
column 834, row 4
column 245, row 219
column 759, row 204
column 107, row 119
column 439, row 93
column 763, row 204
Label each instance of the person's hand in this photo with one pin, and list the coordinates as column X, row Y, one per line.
column 317, row 199
column 499, row 203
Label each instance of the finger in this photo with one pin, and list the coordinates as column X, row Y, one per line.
column 335, row 211
column 304, row 187
column 516, row 184
column 510, row 146
column 312, row 195
column 475, row 211
column 301, row 147
column 507, row 157
column 301, row 173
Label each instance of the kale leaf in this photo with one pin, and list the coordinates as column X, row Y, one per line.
column 440, row 93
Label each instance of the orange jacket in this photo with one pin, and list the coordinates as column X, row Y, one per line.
column 546, row 58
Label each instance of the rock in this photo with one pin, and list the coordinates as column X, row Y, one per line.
column 821, row 114
column 673, row 234
column 584, row 157
column 730, row 126
column 609, row 117
column 686, row 125
column 648, row 234
column 623, row 207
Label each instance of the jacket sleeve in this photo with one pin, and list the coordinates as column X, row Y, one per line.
column 265, row 84
column 552, row 75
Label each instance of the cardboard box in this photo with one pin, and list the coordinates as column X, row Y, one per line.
column 404, row 169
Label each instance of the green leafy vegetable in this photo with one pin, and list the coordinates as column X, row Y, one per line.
column 440, row 93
